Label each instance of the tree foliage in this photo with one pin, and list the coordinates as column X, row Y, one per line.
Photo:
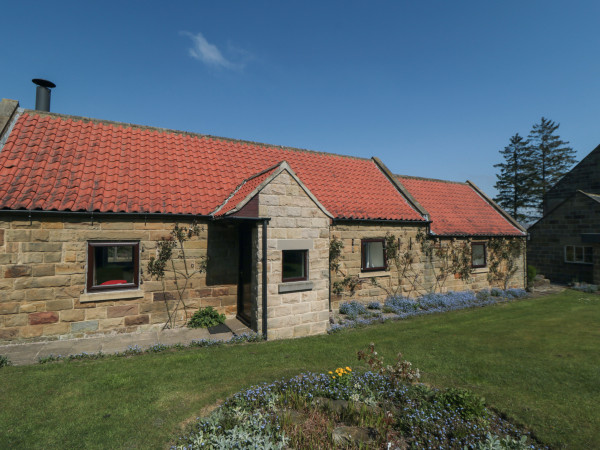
column 552, row 155
column 515, row 178
column 530, row 167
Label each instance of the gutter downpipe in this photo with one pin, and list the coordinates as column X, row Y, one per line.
column 264, row 278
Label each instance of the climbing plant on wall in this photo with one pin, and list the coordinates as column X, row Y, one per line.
column 347, row 282
column 504, row 255
column 170, row 250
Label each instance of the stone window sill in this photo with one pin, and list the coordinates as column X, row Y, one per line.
column 296, row 286
column 481, row 270
column 112, row 295
column 381, row 273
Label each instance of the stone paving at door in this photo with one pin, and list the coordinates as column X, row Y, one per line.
column 28, row 353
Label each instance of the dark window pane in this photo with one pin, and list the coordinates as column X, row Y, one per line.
column 373, row 255
column 579, row 254
column 294, row 265
column 478, row 255
column 113, row 265
column 569, row 254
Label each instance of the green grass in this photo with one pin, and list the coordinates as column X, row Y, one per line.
column 537, row 361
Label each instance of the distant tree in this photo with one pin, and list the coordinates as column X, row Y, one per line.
column 552, row 156
column 516, row 178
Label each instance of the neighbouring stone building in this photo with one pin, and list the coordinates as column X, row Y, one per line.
column 83, row 204
column 564, row 244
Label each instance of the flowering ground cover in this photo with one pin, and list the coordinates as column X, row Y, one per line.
column 354, row 314
column 535, row 361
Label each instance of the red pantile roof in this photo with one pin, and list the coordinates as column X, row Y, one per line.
column 457, row 209
column 55, row 162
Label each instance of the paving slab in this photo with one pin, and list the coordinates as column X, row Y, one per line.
column 28, row 353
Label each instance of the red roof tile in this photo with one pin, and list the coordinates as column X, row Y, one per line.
column 55, row 162
column 457, row 208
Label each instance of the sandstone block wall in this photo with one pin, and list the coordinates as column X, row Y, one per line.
column 43, row 278
column 296, row 223
column 564, row 226
column 584, row 176
column 417, row 278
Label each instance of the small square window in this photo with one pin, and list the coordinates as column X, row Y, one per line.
column 113, row 265
column 295, row 265
column 373, row 255
column 478, row 255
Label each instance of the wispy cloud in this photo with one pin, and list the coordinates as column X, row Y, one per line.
column 208, row 53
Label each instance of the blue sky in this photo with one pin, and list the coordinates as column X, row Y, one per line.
column 434, row 88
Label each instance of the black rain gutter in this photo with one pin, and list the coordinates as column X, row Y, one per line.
column 39, row 212
column 264, row 277
column 30, row 213
column 424, row 222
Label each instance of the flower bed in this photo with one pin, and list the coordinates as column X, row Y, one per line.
column 346, row 409
column 353, row 314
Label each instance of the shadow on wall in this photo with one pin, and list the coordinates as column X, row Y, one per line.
column 223, row 254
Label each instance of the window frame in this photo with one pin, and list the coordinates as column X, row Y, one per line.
column 583, row 254
column 363, row 265
column 91, row 262
column 478, row 266
column 305, row 258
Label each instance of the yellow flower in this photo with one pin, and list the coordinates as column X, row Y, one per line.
column 330, row 372
column 348, row 369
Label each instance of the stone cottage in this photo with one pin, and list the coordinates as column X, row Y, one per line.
column 564, row 244
column 84, row 202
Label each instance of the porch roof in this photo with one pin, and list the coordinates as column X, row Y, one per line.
column 64, row 163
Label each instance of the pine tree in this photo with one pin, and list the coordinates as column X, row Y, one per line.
column 516, row 177
column 553, row 158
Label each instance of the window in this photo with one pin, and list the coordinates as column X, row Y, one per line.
column 373, row 255
column 295, row 265
column 113, row 265
column 478, row 258
column 578, row 254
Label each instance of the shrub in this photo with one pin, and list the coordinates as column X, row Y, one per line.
column 352, row 309
column 374, row 305
column 4, row 361
column 206, row 318
column 531, row 273
column 496, row 292
column 469, row 405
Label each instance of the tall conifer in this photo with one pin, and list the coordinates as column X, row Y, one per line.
column 552, row 156
column 516, row 177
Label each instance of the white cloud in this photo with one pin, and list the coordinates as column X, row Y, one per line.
column 208, row 53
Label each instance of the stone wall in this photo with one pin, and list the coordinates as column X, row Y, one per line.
column 418, row 277
column 584, row 176
column 296, row 222
column 563, row 226
column 43, row 278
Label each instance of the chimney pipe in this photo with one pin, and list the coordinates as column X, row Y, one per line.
column 42, row 94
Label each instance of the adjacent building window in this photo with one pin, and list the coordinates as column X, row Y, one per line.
column 295, row 265
column 579, row 254
column 113, row 265
column 373, row 255
column 478, row 257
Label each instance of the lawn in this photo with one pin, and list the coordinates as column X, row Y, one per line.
column 537, row 361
